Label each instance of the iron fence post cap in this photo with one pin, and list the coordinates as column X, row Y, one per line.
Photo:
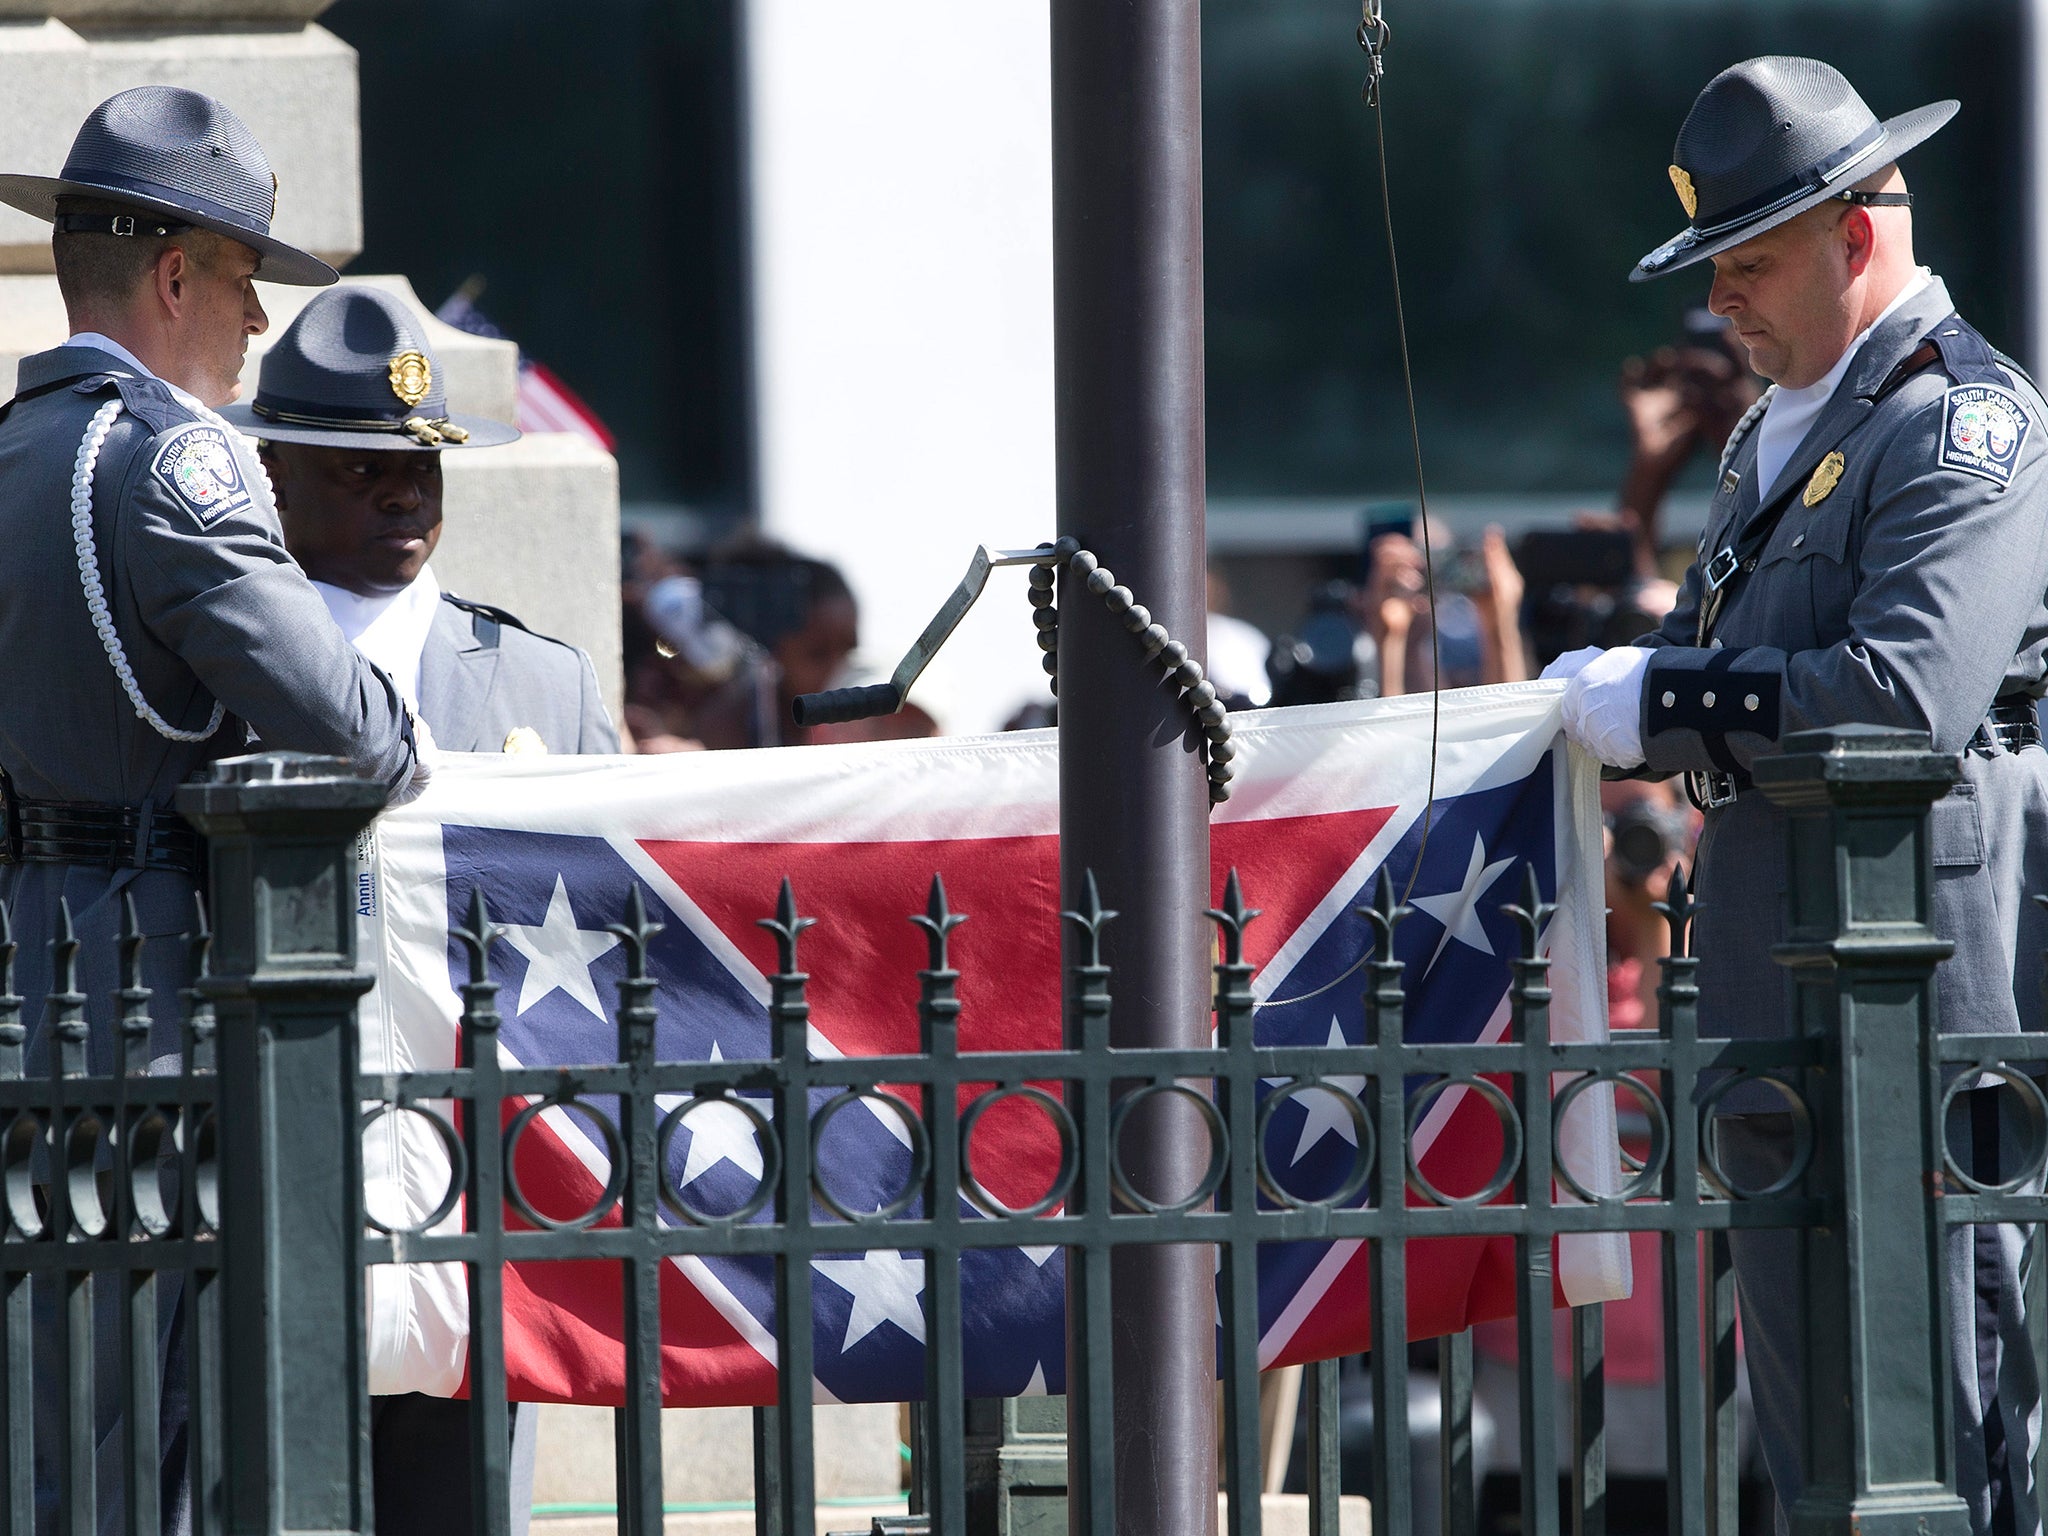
column 270, row 785
column 1859, row 762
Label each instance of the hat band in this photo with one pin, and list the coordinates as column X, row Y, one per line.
column 178, row 197
column 1823, row 172
column 428, row 431
column 300, row 413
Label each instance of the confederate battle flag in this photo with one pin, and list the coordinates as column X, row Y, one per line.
column 1325, row 798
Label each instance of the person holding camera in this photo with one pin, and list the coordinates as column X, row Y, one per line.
column 1876, row 552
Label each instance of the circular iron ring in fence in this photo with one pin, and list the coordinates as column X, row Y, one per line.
column 920, row 1154
column 1363, row 1145
column 1802, row 1137
column 148, row 1138
column 764, row 1138
column 614, row 1157
column 18, row 1153
column 458, row 1168
column 1647, row 1172
column 82, row 1145
column 205, row 1170
column 1510, row 1137
column 2037, row 1129
column 1063, row 1177
column 1219, row 1149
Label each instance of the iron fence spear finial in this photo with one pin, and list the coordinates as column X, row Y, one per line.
column 938, row 920
column 1678, row 909
column 1232, row 918
column 1091, row 919
column 787, row 928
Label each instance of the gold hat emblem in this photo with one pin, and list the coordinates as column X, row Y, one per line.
column 411, row 377
column 1824, row 480
column 1686, row 195
column 524, row 740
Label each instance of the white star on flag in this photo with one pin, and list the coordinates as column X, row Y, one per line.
column 884, row 1286
column 1325, row 1113
column 1458, row 910
column 719, row 1133
column 559, row 954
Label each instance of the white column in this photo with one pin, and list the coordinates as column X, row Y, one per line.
column 901, row 183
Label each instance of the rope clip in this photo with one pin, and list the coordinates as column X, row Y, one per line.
column 1373, row 36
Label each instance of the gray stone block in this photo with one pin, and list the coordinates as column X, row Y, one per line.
column 707, row 1455
column 294, row 85
column 534, row 528
column 181, row 13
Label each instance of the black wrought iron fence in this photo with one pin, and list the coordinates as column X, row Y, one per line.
column 279, row 1406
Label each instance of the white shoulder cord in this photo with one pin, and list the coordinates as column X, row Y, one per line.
column 95, row 592
column 1750, row 418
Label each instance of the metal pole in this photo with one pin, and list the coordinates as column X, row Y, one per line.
column 1127, row 289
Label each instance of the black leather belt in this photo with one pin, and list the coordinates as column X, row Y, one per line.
column 2012, row 724
column 112, row 836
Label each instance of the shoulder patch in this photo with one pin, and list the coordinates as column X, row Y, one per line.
column 1983, row 429
column 197, row 465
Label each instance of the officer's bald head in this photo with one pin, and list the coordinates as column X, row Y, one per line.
column 1800, row 294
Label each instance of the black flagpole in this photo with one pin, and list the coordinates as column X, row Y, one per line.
column 1127, row 283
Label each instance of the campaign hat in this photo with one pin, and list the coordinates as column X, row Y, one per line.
column 180, row 157
column 354, row 370
column 1770, row 138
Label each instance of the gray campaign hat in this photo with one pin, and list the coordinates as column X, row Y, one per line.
column 354, row 371
column 1769, row 139
column 180, row 156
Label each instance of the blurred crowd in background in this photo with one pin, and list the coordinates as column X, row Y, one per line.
column 717, row 647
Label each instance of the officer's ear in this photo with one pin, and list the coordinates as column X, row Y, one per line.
column 1858, row 235
column 172, row 277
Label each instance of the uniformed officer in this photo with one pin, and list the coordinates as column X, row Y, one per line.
column 352, row 414
column 1876, row 552
column 154, row 621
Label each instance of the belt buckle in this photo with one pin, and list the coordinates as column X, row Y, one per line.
column 1710, row 790
column 1721, row 569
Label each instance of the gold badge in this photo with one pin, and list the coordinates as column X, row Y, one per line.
column 1686, row 194
column 1824, row 480
column 524, row 741
column 411, row 377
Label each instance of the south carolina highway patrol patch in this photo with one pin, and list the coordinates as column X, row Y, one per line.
column 1983, row 429
column 197, row 465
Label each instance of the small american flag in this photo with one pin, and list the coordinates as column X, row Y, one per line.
column 545, row 403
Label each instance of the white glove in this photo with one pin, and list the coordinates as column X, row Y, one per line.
column 424, row 754
column 1571, row 664
column 1603, row 706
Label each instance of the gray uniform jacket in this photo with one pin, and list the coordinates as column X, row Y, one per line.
column 483, row 675
column 207, row 605
column 1910, row 595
